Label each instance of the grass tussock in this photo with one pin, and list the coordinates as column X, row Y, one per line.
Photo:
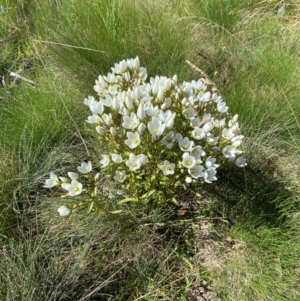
column 238, row 241
column 124, row 29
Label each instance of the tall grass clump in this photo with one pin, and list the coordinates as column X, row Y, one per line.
column 99, row 33
column 84, row 259
column 256, row 65
column 259, row 267
column 41, row 131
column 222, row 16
column 256, row 58
column 17, row 53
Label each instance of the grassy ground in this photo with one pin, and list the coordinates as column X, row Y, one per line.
column 241, row 239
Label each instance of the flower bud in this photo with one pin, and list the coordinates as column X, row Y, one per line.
column 100, row 130
column 141, row 114
column 113, row 131
column 188, row 180
column 170, row 122
column 63, row 211
column 160, row 94
column 184, row 101
column 129, row 102
column 166, row 104
column 141, row 128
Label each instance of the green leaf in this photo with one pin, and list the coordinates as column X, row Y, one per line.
column 126, row 200
column 91, row 207
column 116, row 211
column 174, row 201
column 148, row 194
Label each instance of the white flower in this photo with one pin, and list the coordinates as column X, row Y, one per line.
column 100, row 87
column 64, row 179
column 216, row 98
column 143, row 159
column 169, row 119
column 116, row 158
column 123, row 110
column 199, row 85
column 198, row 133
column 204, row 97
column 209, row 175
column 104, row 161
column 96, row 107
column 167, row 168
column 186, row 145
column 195, row 122
column 100, row 130
column 107, row 119
column 188, row 161
column 120, row 176
column 93, row 119
column 229, row 152
column 178, row 137
column 166, row 104
column 107, row 101
column 120, row 68
column 152, row 111
column 221, row 107
column 210, row 139
column 168, row 140
column 197, row 152
column 189, row 113
column 240, row 162
column 207, row 127
column 142, row 73
column 53, row 181
column 90, row 100
column 111, row 78
column 75, row 188
column 156, row 127
column 237, row 141
column 196, row 171
column 130, row 122
column 133, row 140
column 227, row 134
column 133, row 63
column 210, row 163
column 220, row 123
column 63, row 211
column 85, row 167
column 233, row 121
column 73, row 175
column 134, row 162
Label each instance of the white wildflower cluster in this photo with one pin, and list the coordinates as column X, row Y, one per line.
column 159, row 130
column 163, row 124
column 71, row 184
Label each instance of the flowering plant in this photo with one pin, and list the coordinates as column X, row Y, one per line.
column 160, row 135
